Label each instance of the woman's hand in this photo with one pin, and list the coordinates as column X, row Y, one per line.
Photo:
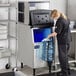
column 52, row 35
column 49, row 36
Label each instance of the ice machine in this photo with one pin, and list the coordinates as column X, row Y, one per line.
column 30, row 38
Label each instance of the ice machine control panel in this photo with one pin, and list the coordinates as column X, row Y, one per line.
column 41, row 18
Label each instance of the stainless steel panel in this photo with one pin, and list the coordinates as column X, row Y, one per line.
column 72, row 47
column 71, row 9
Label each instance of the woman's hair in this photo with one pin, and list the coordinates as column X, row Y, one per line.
column 55, row 13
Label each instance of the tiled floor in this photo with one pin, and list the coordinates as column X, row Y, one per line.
column 4, row 70
column 29, row 71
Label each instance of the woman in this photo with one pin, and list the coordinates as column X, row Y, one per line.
column 63, row 37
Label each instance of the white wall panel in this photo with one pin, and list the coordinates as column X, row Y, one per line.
column 71, row 9
column 59, row 5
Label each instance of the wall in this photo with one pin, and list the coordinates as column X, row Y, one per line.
column 58, row 4
column 71, row 10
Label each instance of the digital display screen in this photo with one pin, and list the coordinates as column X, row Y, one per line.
column 40, row 34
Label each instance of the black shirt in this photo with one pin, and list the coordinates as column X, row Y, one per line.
column 63, row 31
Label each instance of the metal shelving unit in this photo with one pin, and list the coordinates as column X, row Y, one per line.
column 4, row 5
column 5, row 51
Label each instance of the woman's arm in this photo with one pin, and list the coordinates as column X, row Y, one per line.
column 52, row 35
